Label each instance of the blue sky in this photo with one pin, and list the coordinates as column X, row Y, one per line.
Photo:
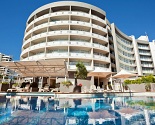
column 133, row 17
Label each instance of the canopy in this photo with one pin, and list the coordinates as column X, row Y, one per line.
column 103, row 114
column 45, row 68
column 100, row 73
column 124, row 74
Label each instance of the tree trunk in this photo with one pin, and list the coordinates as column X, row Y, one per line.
column 75, row 81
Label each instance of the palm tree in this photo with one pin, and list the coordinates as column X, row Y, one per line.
column 81, row 72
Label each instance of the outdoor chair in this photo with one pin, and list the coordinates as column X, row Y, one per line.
column 93, row 88
column 55, row 90
column 13, row 89
column 27, row 88
column 99, row 89
column 34, row 87
column 85, row 89
column 45, row 88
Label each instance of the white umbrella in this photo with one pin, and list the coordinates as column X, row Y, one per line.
column 124, row 74
column 100, row 73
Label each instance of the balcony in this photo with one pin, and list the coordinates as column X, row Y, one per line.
column 100, row 37
column 36, row 57
column 57, row 55
column 142, row 53
column 101, row 47
column 99, row 27
column 41, row 17
column 80, row 14
column 67, row 32
column 145, row 59
column 102, row 68
column 36, row 46
column 98, row 19
column 144, row 48
column 73, row 67
column 80, row 23
column 99, row 57
column 80, row 55
column 58, row 43
column 148, row 71
column 147, row 65
column 80, row 43
column 25, row 51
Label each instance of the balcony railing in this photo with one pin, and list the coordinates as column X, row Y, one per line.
column 81, row 55
column 80, row 43
column 147, row 65
column 145, row 59
column 101, row 47
column 101, row 57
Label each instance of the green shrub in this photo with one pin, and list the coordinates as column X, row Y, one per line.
column 127, row 81
column 67, row 83
column 1, row 76
column 6, row 77
column 15, row 84
column 4, row 83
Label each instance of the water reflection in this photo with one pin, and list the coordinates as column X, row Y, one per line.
column 44, row 110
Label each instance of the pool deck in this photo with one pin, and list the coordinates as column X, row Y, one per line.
column 77, row 95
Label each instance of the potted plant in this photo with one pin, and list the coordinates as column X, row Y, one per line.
column 4, row 86
column 81, row 73
column 1, row 76
column 67, row 83
column 15, row 85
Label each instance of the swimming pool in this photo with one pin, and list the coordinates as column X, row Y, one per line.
column 48, row 110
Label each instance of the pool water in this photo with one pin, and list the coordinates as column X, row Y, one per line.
column 46, row 110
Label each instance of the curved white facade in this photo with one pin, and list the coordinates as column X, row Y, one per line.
column 78, row 31
column 70, row 30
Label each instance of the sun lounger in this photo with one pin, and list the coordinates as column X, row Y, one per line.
column 13, row 89
column 92, row 88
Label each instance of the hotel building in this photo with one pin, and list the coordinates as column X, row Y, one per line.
column 5, row 58
column 79, row 31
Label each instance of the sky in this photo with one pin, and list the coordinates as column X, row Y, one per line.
column 132, row 17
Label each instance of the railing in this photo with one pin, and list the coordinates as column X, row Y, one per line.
column 73, row 67
column 147, row 65
column 144, row 53
column 53, row 43
column 101, row 57
column 80, row 43
column 147, row 71
column 57, row 54
column 102, row 68
column 101, row 47
column 81, row 55
column 146, row 48
column 145, row 59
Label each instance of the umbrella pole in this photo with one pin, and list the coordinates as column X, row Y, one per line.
column 98, row 81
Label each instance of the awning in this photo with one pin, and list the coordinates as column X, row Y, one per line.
column 124, row 74
column 45, row 68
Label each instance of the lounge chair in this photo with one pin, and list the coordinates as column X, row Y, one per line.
column 99, row 89
column 27, row 88
column 34, row 87
column 92, row 88
column 55, row 90
column 45, row 88
column 13, row 89
column 85, row 89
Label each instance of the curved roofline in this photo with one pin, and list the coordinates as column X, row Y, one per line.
column 122, row 34
column 64, row 3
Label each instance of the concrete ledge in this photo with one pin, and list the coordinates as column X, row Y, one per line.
column 78, row 95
